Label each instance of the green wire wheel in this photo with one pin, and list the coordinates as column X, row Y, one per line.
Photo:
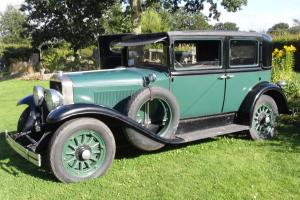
column 264, row 119
column 81, row 149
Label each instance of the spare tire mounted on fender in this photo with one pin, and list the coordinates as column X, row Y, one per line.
column 156, row 109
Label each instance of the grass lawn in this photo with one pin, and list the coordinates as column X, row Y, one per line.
column 220, row 168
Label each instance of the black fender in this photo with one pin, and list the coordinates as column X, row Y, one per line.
column 28, row 100
column 67, row 112
column 263, row 88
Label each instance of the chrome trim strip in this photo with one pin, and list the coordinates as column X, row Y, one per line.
column 67, row 87
column 22, row 151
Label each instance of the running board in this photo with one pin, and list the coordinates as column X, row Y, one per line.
column 212, row 132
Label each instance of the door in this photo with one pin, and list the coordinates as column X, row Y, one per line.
column 244, row 71
column 198, row 77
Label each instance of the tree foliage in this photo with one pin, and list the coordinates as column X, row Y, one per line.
column 227, row 26
column 279, row 27
column 188, row 5
column 115, row 20
column 11, row 26
column 183, row 20
column 75, row 21
column 153, row 21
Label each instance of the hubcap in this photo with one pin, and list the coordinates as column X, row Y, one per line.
column 264, row 121
column 83, row 153
column 86, row 155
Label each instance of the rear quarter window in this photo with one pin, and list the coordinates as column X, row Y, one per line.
column 244, row 53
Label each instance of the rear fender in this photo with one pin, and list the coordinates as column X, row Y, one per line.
column 264, row 88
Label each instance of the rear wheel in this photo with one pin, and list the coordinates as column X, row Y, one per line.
column 81, row 149
column 264, row 119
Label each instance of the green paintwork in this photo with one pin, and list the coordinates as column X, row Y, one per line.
column 238, row 87
column 111, row 88
column 72, row 162
column 199, row 95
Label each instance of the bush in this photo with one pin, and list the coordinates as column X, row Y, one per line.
column 54, row 59
column 283, row 70
column 280, row 40
column 12, row 53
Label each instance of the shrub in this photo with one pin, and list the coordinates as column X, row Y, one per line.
column 280, row 40
column 12, row 53
column 283, row 69
column 54, row 59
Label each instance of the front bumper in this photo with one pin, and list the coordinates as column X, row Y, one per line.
column 25, row 152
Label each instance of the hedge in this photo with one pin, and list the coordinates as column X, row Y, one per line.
column 280, row 41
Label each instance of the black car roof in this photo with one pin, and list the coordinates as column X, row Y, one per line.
column 217, row 33
column 173, row 34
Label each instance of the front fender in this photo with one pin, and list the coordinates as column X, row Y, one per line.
column 28, row 100
column 264, row 88
column 67, row 112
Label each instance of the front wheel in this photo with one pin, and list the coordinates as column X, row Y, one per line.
column 264, row 119
column 81, row 149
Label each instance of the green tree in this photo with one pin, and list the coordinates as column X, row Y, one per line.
column 173, row 5
column 296, row 28
column 11, row 26
column 279, row 28
column 75, row 21
column 115, row 20
column 153, row 21
column 183, row 20
column 227, row 26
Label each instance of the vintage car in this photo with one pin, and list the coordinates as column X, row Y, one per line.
column 171, row 88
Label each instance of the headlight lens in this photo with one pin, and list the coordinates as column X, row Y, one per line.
column 38, row 95
column 53, row 99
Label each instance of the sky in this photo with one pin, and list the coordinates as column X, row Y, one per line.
column 258, row 15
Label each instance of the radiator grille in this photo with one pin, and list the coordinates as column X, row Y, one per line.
column 112, row 98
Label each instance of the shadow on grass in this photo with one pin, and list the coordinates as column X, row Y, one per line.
column 14, row 164
column 288, row 138
column 132, row 152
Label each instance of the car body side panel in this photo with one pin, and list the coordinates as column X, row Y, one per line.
column 112, row 88
column 239, row 86
column 199, row 95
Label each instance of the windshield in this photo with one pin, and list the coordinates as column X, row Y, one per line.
column 148, row 54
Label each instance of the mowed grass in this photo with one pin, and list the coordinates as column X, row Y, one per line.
column 231, row 167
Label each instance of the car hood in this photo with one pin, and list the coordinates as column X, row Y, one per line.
column 113, row 77
column 112, row 87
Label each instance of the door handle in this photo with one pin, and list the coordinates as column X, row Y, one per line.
column 230, row 76
column 223, row 77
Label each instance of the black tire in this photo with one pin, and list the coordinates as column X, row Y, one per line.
column 65, row 133
column 264, row 120
column 26, row 122
column 135, row 104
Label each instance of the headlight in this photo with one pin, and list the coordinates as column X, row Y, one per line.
column 38, row 95
column 53, row 99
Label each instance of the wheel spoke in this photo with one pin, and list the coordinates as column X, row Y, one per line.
column 83, row 139
column 75, row 160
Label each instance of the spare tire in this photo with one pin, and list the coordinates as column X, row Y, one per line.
column 156, row 109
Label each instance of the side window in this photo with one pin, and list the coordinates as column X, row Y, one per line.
column 198, row 54
column 243, row 53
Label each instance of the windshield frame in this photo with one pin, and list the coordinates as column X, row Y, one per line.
column 165, row 67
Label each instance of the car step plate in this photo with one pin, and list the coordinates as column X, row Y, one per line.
column 212, row 132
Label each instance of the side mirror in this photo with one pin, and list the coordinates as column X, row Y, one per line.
column 149, row 79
